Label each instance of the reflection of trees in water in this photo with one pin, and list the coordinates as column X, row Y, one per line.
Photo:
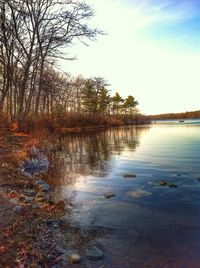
column 88, row 153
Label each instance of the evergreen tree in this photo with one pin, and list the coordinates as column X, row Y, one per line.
column 104, row 100
column 129, row 104
column 117, row 102
column 89, row 97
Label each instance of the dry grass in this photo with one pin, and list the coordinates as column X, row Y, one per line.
column 74, row 122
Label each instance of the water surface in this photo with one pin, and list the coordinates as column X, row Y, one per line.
column 147, row 225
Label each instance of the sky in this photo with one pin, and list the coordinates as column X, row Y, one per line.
column 151, row 50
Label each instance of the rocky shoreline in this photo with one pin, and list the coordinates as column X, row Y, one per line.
column 35, row 231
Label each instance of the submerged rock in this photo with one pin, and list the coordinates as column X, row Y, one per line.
column 109, row 195
column 75, row 258
column 129, row 175
column 172, row 185
column 94, row 254
column 139, row 193
column 198, row 178
column 162, row 183
column 165, row 183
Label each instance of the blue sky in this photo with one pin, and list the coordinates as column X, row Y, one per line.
column 151, row 50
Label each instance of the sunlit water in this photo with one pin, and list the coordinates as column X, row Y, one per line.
column 146, row 225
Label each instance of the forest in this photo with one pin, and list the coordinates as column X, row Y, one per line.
column 186, row 115
column 34, row 36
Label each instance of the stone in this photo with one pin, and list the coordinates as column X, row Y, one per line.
column 20, row 210
column 39, row 182
column 165, row 183
column 162, row 183
column 50, row 257
column 75, row 258
column 109, row 195
column 172, row 185
column 60, row 250
column 28, row 200
column 128, row 175
column 198, row 178
column 30, row 193
column 45, row 187
column 36, row 206
column 4, row 165
column 94, row 254
column 139, row 193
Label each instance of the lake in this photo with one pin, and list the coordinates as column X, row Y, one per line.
column 146, row 224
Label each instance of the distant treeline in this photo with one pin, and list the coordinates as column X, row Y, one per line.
column 186, row 115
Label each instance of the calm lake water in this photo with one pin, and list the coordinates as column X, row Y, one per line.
column 145, row 225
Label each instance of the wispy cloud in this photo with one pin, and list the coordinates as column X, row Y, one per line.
column 169, row 11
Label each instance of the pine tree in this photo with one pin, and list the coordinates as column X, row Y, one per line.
column 130, row 103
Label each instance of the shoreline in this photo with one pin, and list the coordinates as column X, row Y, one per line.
column 32, row 226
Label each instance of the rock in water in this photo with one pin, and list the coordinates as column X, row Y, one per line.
column 172, row 185
column 165, row 183
column 162, row 183
column 109, row 195
column 75, row 258
column 139, row 193
column 94, row 254
column 128, row 175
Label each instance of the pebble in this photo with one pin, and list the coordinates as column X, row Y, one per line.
column 19, row 210
column 75, row 258
column 45, row 187
column 30, row 193
column 28, row 200
column 94, row 254
column 40, row 182
column 60, row 250
column 36, row 206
